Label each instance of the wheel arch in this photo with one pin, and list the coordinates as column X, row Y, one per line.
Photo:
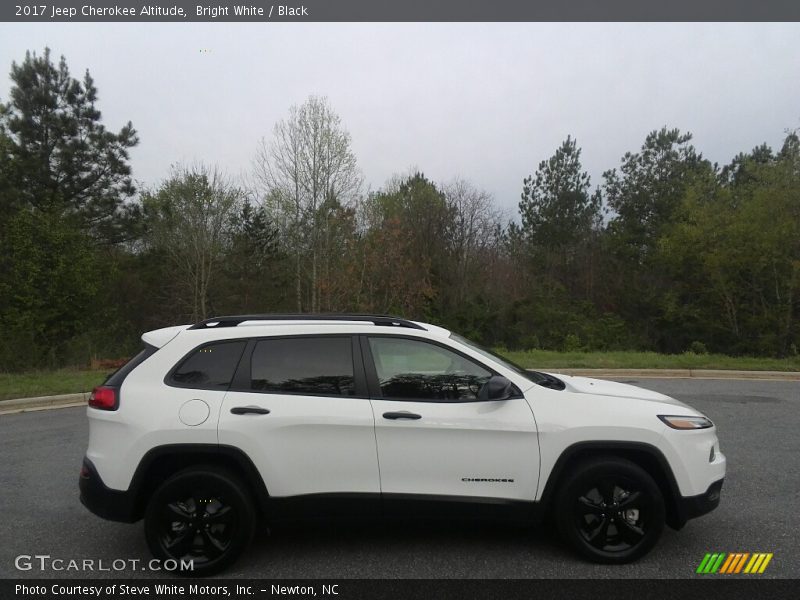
column 159, row 463
column 647, row 456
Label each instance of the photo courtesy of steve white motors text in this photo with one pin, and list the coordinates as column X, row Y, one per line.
column 170, row 589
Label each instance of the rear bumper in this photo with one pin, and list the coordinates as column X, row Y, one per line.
column 695, row 506
column 114, row 505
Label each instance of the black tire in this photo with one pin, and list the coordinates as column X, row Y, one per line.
column 202, row 514
column 610, row 510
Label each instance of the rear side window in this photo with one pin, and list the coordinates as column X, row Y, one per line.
column 210, row 367
column 316, row 366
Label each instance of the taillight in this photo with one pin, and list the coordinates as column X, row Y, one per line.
column 104, row 398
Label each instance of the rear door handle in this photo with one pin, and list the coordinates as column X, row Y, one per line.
column 249, row 410
column 403, row 414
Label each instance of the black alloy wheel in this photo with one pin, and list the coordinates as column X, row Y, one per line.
column 610, row 510
column 201, row 516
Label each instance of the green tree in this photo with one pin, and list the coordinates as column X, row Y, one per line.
column 557, row 207
column 643, row 198
column 189, row 218
column 735, row 255
column 404, row 246
column 338, row 245
column 422, row 210
column 64, row 180
column 50, row 284
column 305, row 169
column 55, row 152
column 255, row 275
column 643, row 195
column 471, row 291
column 554, row 248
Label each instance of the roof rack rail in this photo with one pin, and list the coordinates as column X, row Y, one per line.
column 234, row 320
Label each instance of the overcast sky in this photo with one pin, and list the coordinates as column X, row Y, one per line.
column 483, row 101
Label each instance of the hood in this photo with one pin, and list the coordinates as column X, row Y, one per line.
column 601, row 387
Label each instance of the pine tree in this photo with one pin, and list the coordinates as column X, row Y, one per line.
column 55, row 154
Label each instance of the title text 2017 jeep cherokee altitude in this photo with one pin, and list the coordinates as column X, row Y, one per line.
column 217, row 424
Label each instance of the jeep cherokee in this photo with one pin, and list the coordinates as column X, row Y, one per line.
column 214, row 426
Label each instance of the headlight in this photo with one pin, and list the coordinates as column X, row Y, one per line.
column 681, row 422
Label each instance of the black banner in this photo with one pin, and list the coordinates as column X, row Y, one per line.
column 441, row 589
column 402, row 10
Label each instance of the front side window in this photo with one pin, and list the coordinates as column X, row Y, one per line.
column 210, row 367
column 417, row 370
column 542, row 379
column 316, row 366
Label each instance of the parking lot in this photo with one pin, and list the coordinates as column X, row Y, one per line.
column 758, row 425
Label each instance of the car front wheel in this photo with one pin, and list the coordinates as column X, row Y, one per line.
column 202, row 516
column 610, row 510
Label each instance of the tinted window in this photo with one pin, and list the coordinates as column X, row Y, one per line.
column 210, row 367
column 305, row 365
column 543, row 379
column 418, row 370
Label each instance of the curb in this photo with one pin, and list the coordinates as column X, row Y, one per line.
column 43, row 403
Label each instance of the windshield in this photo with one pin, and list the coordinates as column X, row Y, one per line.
column 533, row 376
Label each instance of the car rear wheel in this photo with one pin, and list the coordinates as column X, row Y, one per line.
column 204, row 515
column 610, row 510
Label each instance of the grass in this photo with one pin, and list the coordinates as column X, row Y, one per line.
column 548, row 359
column 67, row 381
column 48, row 383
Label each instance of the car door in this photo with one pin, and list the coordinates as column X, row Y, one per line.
column 434, row 436
column 299, row 408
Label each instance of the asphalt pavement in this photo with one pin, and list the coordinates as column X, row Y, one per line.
column 758, row 423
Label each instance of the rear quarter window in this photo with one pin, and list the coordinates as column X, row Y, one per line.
column 210, row 367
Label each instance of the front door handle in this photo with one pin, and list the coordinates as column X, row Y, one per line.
column 403, row 414
column 249, row 410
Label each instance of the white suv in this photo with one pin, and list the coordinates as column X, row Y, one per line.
column 215, row 425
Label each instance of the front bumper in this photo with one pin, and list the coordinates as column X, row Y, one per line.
column 690, row 507
column 114, row 505
column 695, row 506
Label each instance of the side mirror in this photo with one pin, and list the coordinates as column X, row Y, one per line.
column 497, row 388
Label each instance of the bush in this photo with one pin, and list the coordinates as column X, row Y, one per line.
column 572, row 343
column 530, row 342
column 50, row 284
column 698, row 348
